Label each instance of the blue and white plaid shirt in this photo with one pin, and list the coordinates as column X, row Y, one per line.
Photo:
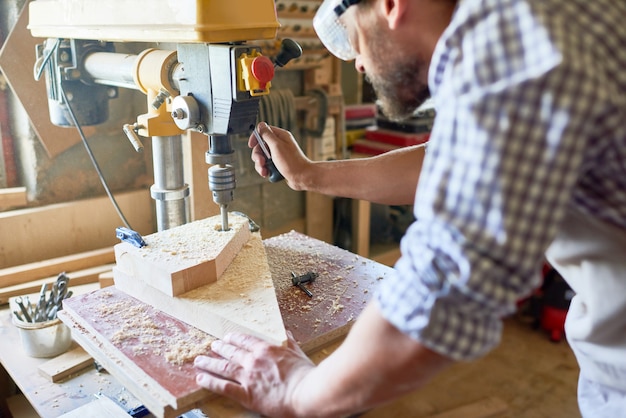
column 531, row 121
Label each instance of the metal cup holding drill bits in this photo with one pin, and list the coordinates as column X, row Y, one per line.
column 41, row 332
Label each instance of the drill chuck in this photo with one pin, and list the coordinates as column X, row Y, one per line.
column 222, row 183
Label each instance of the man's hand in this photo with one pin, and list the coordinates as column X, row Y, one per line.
column 286, row 154
column 260, row 376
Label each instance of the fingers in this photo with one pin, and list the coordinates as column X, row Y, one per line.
column 228, row 351
column 220, row 375
column 221, row 385
column 244, row 341
column 217, row 366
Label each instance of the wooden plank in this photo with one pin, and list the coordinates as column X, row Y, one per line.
column 77, row 278
column 35, row 234
column 66, row 364
column 183, row 258
column 340, row 292
column 484, row 408
column 12, row 197
column 243, row 299
column 133, row 342
column 25, row 273
column 17, row 60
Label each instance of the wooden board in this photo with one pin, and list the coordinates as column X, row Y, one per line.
column 344, row 286
column 25, row 273
column 340, row 293
column 66, row 364
column 243, row 299
column 76, row 278
column 58, row 230
column 183, row 258
column 138, row 344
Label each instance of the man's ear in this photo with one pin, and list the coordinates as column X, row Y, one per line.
column 393, row 11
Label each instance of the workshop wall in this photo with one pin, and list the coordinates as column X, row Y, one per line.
column 70, row 175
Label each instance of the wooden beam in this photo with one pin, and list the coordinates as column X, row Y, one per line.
column 18, row 275
column 35, row 234
column 12, row 197
column 77, row 278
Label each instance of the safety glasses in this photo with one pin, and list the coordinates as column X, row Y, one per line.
column 331, row 31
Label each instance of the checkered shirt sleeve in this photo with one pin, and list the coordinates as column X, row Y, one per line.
column 530, row 108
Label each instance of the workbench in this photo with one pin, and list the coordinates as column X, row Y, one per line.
column 345, row 285
column 527, row 375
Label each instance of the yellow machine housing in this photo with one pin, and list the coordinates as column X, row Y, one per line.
column 197, row 21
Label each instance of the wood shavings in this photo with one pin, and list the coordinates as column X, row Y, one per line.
column 340, row 290
column 139, row 331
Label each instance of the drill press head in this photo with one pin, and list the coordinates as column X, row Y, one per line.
column 219, row 77
column 222, row 100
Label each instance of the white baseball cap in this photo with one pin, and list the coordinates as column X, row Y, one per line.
column 331, row 31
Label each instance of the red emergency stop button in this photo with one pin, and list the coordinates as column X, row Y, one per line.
column 263, row 70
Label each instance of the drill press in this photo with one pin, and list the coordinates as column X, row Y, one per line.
column 211, row 83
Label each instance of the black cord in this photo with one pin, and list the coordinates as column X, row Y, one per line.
column 93, row 158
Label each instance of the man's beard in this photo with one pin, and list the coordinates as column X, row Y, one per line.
column 399, row 90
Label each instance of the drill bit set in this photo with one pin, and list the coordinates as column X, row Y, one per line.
column 48, row 304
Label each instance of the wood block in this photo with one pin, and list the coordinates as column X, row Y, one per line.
column 185, row 257
column 66, row 364
column 242, row 300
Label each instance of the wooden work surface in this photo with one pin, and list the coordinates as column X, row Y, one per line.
column 344, row 286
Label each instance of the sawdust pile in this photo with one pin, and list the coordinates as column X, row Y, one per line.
column 338, row 291
column 137, row 330
column 194, row 242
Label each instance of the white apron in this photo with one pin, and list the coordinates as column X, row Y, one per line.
column 591, row 257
